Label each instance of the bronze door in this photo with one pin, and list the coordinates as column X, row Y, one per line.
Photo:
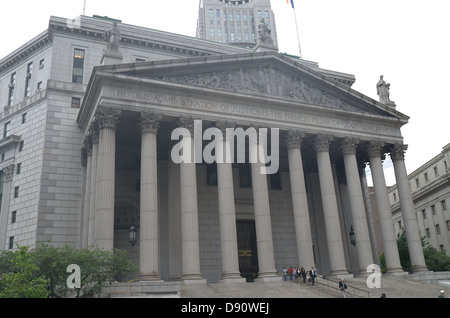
column 248, row 254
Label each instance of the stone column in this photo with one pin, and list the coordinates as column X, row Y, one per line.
column 174, row 207
column 227, row 213
column 105, row 180
column 384, row 210
column 299, row 200
column 93, row 134
column 87, row 163
column 408, row 212
column 189, row 209
column 359, row 219
column 148, row 236
column 330, row 208
column 263, row 223
column 8, row 173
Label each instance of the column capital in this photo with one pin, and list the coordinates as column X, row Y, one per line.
column 93, row 132
column 187, row 122
column 222, row 125
column 294, row 139
column 149, row 122
column 398, row 151
column 348, row 146
column 322, row 142
column 374, row 148
column 107, row 117
column 8, row 172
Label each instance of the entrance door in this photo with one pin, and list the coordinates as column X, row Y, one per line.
column 248, row 254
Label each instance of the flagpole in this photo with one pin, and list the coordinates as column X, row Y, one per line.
column 298, row 36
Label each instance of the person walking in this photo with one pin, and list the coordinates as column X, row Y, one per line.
column 312, row 275
column 343, row 287
column 303, row 274
column 285, row 273
column 290, row 272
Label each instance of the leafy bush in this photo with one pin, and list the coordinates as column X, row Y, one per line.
column 47, row 266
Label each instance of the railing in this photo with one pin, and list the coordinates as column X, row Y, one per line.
column 350, row 292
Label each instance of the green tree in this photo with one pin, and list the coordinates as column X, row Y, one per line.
column 434, row 259
column 22, row 279
column 98, row 268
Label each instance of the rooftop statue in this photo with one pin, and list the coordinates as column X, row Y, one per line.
column 383, row 90
column 264, row 33
column 113, row 37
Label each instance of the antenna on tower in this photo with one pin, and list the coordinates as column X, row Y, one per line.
column 84, row 7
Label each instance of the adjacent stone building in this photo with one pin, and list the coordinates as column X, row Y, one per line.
column 89, row 111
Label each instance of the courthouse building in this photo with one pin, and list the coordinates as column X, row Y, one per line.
column 87, row 155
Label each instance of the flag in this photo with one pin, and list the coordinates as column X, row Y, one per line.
column 292, row 2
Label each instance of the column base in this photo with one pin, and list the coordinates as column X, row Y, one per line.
column 268, row 277
column 149, row 277
column 339, row 273
column 192, row 279
column 395, row 272
column 232, row 278
column 419, row 268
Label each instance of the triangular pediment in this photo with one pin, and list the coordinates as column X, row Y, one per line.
column 259, row 74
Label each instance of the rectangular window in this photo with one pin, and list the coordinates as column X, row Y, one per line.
column 11, row 85
column 426, row 176
column 13, row 216
column 24, row 118
column 448, row 225
column 275, row 181
column 11, row 242
column 436, row 172
column 28, row 79
column 7, row 129
column 76, row 102
column 19, row 168
column 21, row 146
column 16, row 192
column 438, row 229
column 424, row 214
column 78, row 66
column 245, row 176
column 433, row 209
column 41, row 63
column 444, row 205
column 211, row 174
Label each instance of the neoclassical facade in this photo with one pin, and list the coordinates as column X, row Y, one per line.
column 327, row 133
column 89, row 156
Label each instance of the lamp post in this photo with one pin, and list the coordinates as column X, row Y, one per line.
column 352, row 236
column 132, row 235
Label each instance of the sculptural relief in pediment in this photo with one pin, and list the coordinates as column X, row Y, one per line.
column 264, row 80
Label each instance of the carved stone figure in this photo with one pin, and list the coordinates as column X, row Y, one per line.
column 112, row 36
column 383, row 90
column 264, row 33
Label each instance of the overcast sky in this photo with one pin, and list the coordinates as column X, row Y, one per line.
column 407, row 41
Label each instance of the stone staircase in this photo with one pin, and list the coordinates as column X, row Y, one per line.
column 406, row 286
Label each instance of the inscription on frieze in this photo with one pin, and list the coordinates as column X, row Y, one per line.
column 249, row 111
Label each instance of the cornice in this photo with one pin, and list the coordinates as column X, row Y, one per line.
column 25, row 51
